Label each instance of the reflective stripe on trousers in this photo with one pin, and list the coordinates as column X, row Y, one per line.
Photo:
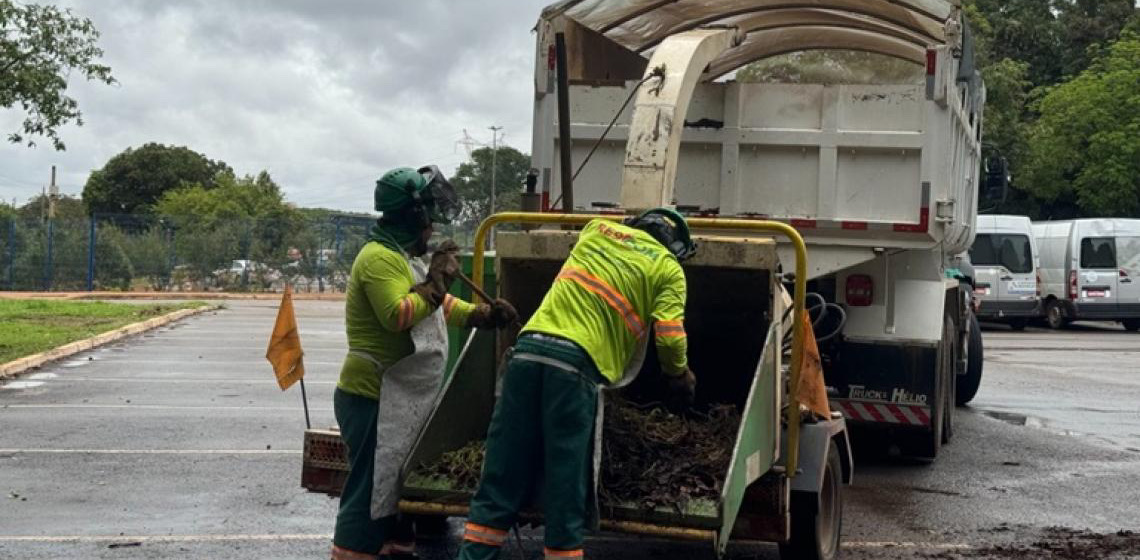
column 554, row 553
column 483, row 534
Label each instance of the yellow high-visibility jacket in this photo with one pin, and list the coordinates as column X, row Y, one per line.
column 379, row 310
column 617, row 283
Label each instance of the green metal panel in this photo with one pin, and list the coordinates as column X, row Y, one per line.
column 456, row 336
column 757, row 440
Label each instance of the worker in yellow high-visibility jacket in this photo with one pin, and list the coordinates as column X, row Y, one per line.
column 396, row 312
column 620, row 281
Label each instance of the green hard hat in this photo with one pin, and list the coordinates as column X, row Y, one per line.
column 427, row 188
column 669, row 228
column 394, row 190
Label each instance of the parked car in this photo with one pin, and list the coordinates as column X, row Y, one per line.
column 1090, row 269
column 1007, row 283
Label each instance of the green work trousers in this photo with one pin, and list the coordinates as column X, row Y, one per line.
column 543, row 423
column 355, row 528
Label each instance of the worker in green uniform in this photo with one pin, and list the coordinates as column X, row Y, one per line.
column 396, row 311
column 590, row 331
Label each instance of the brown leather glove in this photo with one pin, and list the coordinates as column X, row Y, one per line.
column 682, row 391
column 442, row 271
column 500, row 314
column 503, row 314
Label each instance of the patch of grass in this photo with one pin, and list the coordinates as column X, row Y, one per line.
column 31, row 326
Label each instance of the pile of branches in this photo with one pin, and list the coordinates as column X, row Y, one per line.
column 651, row 458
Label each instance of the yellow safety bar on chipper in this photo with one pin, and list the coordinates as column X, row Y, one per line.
column 799, row 297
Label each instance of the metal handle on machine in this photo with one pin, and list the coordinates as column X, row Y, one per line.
column 792, row 414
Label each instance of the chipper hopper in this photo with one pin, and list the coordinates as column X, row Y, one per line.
column 783, row 483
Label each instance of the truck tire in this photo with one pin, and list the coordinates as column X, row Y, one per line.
column 1055, row 314
column 1018, row 324
column 966, row 386
column 817, row 517
column 1131, row 325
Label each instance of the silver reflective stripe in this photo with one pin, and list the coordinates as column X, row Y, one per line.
column 552, row 362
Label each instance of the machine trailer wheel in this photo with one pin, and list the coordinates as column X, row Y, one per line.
column 1055, row 315
column 967, row 385
column 817, row 517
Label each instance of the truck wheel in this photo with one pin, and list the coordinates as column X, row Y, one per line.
column 817, row 517
column 1055, row 314
column 966, row 386
column 1131, row 324
column 1018, row 324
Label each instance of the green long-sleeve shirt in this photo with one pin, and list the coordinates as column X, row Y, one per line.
column 380, row 309
column 616, row 280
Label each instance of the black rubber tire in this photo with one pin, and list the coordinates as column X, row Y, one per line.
column 966, row 386
column 817, row 517
column 1055, row 315
column 927, row 444
column 1018, row 324
column 1132, row 325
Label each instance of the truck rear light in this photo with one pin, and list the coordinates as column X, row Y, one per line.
column 860, row 290
column 1123, row 273
column 931, row 62
column 1072, row 284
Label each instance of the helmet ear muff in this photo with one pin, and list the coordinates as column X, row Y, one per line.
column 420, row 208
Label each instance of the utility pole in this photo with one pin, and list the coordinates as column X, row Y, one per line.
column 494, row 169
column 52, row 195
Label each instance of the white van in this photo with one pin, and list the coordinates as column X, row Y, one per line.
column 1090, row 269
column 1004, row 255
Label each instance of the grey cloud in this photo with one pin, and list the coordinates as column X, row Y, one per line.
column 325, row 95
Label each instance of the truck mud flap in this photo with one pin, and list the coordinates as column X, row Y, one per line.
column 884, row 384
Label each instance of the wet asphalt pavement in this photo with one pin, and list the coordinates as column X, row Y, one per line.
column 178, row 444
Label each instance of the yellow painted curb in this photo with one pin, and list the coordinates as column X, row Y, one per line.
column 18, row 366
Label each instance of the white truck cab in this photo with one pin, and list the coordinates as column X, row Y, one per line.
column 1004, row 255
column 1090, row 269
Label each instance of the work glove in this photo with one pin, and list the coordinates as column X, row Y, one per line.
column 442, row 271
column 500, row 314
column 682, row 391
column 503, row 314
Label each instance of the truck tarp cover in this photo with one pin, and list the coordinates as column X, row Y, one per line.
column 898, row 28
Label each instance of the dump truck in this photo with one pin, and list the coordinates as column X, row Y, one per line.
column 881, row 180
column 853, row 198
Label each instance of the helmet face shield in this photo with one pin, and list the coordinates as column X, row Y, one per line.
column 443, row 202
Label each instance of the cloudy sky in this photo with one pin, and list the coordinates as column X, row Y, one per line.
column 324, row 94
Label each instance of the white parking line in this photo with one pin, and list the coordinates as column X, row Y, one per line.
column 199, row 380
column 150, row 451
column 159, row 407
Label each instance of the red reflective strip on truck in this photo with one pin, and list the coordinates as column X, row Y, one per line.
column 801, row 223
column 857, row 226
column 921, row 227
column 883, row 413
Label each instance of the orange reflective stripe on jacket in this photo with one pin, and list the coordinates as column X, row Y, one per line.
column 407, row 313
column 667, row 329
column 448, row 304
column 483, row 534
column 612, row 297
column 555, row 553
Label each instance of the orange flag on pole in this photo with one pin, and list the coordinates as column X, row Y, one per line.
column 285, row 345
column 812, row 391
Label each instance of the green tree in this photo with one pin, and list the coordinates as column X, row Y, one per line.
column 40, row 47
column 1025, row 31
column 472, row 183
column 1086, row 145
column 132, row 181
column 240, row 218
column 1087, row 26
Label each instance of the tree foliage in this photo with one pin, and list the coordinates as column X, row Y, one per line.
column 472, row 182
column 134, row 180
column 40, row 47
column 1087, row 142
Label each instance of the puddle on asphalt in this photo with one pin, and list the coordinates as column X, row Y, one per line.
column 1015, row 418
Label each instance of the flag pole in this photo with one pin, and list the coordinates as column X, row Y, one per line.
column 305, row 401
